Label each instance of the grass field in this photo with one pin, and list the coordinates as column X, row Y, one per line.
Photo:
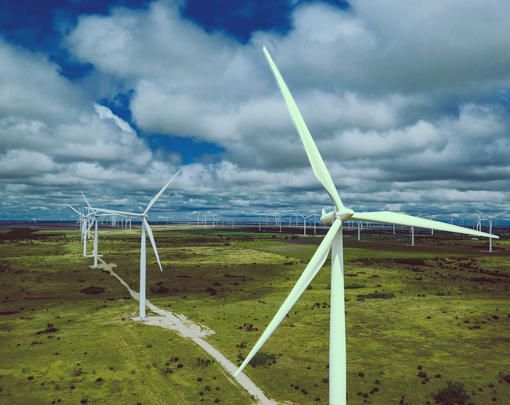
column 417, row 319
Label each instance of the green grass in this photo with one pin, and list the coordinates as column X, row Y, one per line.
column 446, row 311
column 96, row 353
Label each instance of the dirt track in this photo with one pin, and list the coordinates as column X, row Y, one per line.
column 190, row 330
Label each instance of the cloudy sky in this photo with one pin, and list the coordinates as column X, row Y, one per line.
column 408, row 102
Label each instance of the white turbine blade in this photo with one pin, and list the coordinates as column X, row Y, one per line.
column 387, row 217
column 497, row 215
column 315, row 264
column 482, row 213
column 87, row 201
column 75, row 210
column 127, row 214
column 153, row 243
column 153, row 201
column 90, row 226
column 318, row 166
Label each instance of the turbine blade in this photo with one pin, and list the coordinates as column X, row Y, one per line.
column 387, row 217
column 75, row 210
column 153, row 201
column 482, row 213
column 315, row 264
column 153, row 243
column 90, row 226
column 127, row 214
column 87, row 201
column 318, row 166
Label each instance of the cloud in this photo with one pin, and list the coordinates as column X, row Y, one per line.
column 404, row 101
column 32, row 86
column 20, row 163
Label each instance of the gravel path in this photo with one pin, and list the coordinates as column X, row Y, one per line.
column 191, row 330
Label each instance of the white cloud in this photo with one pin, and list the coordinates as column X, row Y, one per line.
column 32, row 86
column 403, row 100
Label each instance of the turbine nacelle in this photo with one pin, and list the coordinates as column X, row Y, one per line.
column 343, row 215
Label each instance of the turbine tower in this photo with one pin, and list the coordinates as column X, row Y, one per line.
column 84, row 227
column 95, row 222
column 333, row 240
column 305, row 217
column 490, row 218
column 145, row 229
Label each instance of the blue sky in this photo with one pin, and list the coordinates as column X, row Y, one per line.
column 409, row 105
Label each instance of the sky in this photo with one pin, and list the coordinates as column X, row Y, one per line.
column 408, row 103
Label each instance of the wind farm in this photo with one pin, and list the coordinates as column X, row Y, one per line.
column 324, row 187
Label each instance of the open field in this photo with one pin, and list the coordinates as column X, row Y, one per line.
column 417, row 318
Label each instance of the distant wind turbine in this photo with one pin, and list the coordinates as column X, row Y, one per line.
column 95, row 222
column 145, row 229
column 84, row 226
column 490, row 218
column 305, row 217
column 333, row 241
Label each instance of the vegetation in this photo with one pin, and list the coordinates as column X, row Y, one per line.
column 447, row 318
column 453, row 394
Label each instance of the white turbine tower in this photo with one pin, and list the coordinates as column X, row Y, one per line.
column 333, row 241
column 95, row 222
column 490, row 218
column 84, row 227
column 144, row 229
column 305, row 217
column 277, row 221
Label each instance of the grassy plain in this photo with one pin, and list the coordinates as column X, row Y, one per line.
column 442, row 316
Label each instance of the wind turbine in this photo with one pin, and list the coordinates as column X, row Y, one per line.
column 478, row 223
column 145, row 228
column 333, row 241
column 490, row 218
column 95, row 222
column 314, row 224
column 84, row 226
column 305, row 217
column 278, row 221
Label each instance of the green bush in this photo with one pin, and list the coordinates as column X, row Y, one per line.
column 453, row 394
column 262, row 359
column 361, row 297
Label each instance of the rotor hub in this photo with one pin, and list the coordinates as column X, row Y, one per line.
column 344, row 215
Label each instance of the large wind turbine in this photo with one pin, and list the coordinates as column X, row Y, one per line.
column 333, row 241
column 490, row 218
column 145, row 228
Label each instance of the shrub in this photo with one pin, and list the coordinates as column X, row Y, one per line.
column 453, row 394
column 361, row 297
column 262, row 359
column 503, row 377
